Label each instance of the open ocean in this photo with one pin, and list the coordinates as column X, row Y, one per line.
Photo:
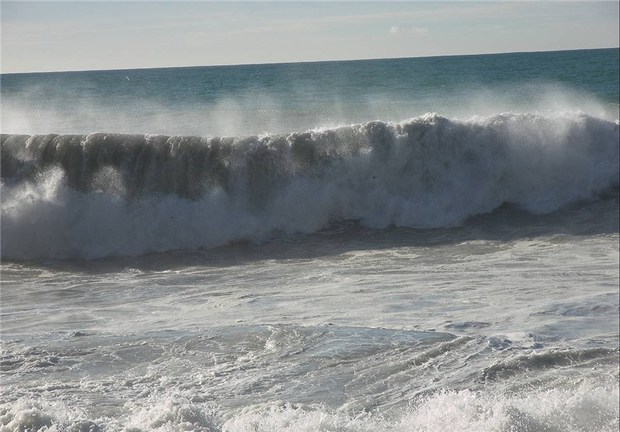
column 424, row 244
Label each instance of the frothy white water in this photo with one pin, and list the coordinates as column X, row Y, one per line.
column 106, row 195
column 587, row 406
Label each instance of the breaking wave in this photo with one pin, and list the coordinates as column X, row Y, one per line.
column 103, row 195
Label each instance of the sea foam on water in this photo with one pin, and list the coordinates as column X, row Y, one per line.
column 299, row 247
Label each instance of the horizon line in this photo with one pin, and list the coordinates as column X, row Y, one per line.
column 268, row 63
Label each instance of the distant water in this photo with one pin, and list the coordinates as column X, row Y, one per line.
column 384, row 245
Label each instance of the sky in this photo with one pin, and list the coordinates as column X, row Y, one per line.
column 94, row 35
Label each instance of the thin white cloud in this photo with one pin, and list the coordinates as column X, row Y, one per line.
column 421, row 31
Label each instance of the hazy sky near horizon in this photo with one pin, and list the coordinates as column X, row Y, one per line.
column 84, row 35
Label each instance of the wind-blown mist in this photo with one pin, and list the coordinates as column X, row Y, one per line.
column 257, row 112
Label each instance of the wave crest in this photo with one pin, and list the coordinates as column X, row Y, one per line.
column 114, row 194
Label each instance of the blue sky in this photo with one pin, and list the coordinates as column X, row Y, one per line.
column 80, row 35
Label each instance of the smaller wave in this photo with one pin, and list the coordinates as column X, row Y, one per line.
column 99, row 195
column 547, row 360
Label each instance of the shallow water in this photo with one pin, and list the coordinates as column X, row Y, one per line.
column 503, row 323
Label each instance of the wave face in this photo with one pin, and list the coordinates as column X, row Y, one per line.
column 102, row 195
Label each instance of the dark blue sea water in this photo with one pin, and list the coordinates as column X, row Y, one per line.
column 385, row 245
